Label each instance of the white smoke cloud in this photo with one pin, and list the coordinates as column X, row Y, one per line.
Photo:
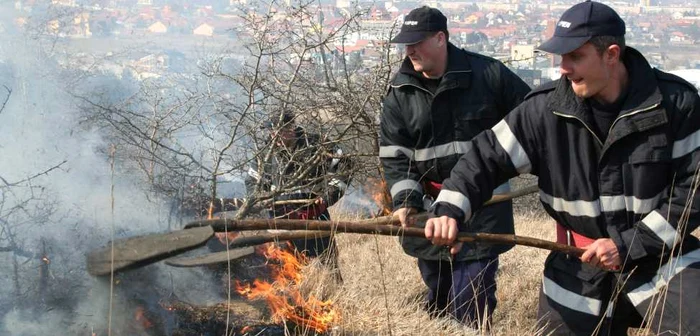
column 63, row 205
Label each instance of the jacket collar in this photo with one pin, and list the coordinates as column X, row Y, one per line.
column 456, row 73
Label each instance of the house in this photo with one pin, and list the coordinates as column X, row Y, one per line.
column 679, row 38
column 149, row 65
column 158, row 28
column 69, row 3
column 204, row 30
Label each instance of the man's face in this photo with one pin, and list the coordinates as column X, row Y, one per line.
column 587, row 70
column 425, row 55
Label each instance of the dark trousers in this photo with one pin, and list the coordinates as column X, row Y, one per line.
column 466, row 290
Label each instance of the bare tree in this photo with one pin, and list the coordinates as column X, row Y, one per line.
column 23, row 204
column 182, row 130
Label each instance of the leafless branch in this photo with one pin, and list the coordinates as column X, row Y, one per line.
column 7, row 98
column 29, row 179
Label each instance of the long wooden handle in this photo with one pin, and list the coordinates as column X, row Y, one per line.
column 390, row 220
column 270, row 237
column 221, row 225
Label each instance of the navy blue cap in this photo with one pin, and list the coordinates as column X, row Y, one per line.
column 420, row 24
column 580, row 23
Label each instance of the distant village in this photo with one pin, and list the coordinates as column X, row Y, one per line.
column 667, row 32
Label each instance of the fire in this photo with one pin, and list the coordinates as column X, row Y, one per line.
column 140, row 316
column 380, row 195
column 283, row 296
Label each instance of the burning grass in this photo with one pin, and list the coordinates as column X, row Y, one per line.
column 382, row 292
column 286, row 300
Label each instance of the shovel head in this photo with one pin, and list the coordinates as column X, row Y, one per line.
column 211, row 258
column 139, row 251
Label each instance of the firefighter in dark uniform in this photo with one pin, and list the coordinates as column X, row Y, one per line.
column 615, row 144
column 441, row 97
column 294, row 151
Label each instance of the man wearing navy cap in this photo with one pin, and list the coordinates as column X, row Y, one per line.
column 616, row 146
column 441, row 97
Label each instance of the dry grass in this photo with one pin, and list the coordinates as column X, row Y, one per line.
column 382, row 292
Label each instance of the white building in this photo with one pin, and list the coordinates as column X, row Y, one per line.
column 204, row 30
column 158, row 28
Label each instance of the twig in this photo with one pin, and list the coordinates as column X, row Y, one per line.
column 45, row 172
column 112, row 153
column 7, row 98
column 386, row 295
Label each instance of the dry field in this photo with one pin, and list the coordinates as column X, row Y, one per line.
column 382, row 292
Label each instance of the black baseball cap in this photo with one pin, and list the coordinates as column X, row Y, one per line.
column 580, row 23
column 420, row 24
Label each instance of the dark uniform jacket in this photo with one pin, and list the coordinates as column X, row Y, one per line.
column 635, row 187
column 309, row 170
column 423, row 134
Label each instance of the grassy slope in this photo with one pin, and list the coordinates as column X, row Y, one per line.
column 382, row 290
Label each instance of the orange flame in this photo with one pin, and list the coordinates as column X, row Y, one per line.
column 380, row 194
column 140, row 316
column 283, row 296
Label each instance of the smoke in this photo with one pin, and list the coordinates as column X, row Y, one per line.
column 60, row 196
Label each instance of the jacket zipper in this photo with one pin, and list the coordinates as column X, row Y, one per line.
column 633, row 113
column 424, row 89
column 415, row 86
column 584, row 124
column 432, row 95
column 614, row 122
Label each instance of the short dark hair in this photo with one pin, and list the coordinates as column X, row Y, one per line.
column 601, row 43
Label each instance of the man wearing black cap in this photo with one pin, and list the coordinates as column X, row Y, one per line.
column 441, row 97
column 616, row 146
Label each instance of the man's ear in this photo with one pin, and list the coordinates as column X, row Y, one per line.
column 612, row 54
column 442, row 39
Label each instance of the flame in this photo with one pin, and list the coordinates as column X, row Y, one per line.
column 380, row 194
column 210, row 211
column 140, row 316
column 283, row 296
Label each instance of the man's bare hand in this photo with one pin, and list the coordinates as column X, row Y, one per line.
column 443, row 231
column 403, row 214
column 320, row 201
column 602, row 253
